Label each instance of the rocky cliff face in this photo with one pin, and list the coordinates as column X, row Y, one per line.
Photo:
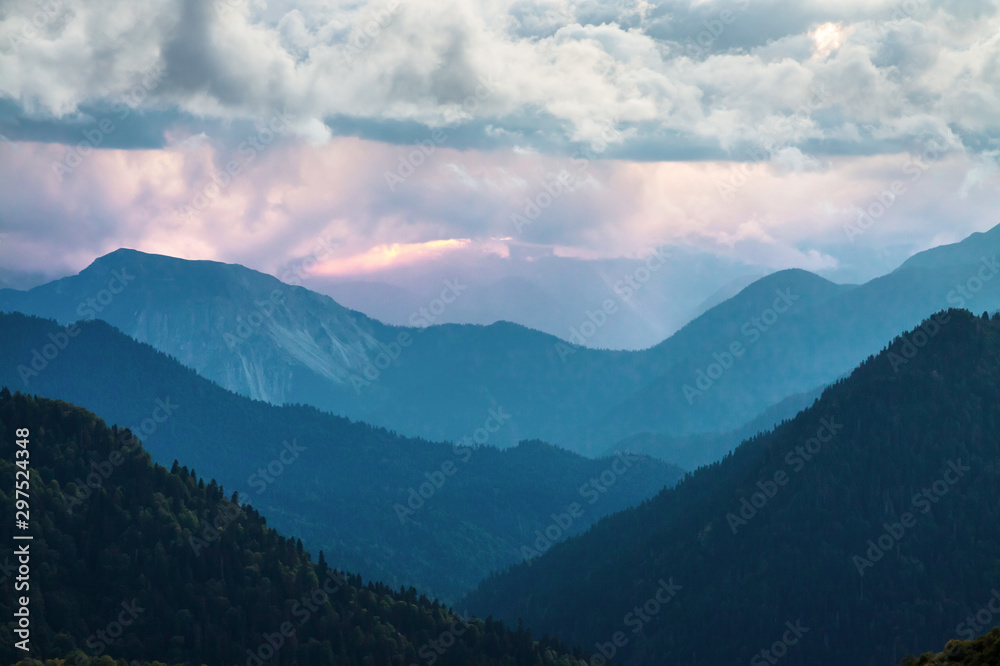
column 244, row 330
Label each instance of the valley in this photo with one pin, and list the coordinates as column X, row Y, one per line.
column 499, row 333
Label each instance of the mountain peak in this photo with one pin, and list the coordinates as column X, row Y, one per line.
column 125, row 257
column 793, row 276
column 798, row 516
column 122, row 255
column 970, row 250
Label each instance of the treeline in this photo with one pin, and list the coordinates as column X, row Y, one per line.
column 405, row 511
column 984, row 651
column 872, row 518
column 157, row 564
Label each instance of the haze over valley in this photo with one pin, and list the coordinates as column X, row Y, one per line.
column 516, row 333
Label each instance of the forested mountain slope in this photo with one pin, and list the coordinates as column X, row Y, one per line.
column 155, row 564
column 440, row 516
column 872, row 519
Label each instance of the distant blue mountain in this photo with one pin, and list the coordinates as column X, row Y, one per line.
column 787, row 333
column 402, row 510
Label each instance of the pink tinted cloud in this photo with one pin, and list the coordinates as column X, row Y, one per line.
column 291, row 194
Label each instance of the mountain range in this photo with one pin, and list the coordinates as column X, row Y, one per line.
column 860, row 531
column 550, row 293
column 788, row 333
column 158, row 566
column 823, row 529
column 439, row 516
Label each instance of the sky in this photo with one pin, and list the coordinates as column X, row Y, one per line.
column 838, row 137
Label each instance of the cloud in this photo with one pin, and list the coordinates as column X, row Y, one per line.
column 293, row 195
column 690, row 80
column 394, row 255
column 754, row 128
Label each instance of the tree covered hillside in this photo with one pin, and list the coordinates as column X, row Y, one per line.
column 984, row 651
column 157, row 564
column 406, row 511
column 865, row 529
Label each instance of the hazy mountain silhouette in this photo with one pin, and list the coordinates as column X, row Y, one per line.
column 868, row 521
column 156, row 565
column 405, row 511
column 793, row 331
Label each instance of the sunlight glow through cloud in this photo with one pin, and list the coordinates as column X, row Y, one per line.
column 391, row 256
column 827, row 37
column 495, row 99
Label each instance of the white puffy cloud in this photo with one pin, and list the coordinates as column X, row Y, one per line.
column 752, row 128
column 697, row 72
